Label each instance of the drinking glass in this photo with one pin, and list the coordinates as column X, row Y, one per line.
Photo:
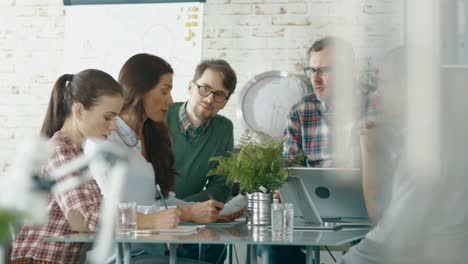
column 126, row 220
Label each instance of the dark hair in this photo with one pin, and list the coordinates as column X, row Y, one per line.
column 139, row 75
column 156, row 138
column 221, row 66
column 333, row 42
column 84, row 87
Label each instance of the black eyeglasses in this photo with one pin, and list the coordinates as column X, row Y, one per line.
column 319, row 70
column 206, row 90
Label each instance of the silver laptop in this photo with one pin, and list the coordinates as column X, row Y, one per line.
column 325, row 198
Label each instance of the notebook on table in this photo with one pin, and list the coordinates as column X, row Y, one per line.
column 178, row 230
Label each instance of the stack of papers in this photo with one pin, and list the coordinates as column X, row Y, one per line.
column 237, row 203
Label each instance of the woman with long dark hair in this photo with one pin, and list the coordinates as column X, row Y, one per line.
column 147, row 79
column 147, row 83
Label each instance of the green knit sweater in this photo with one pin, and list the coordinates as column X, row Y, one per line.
column 191, row 159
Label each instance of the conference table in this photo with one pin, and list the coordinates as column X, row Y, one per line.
column 229, row 234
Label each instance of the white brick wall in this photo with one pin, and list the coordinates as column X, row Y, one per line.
column 253, row 35
column 31, row 48
column 277, row 33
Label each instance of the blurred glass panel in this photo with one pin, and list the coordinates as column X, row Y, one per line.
column 454, row 22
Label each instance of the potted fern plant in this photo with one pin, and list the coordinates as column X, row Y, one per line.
column 260, row 169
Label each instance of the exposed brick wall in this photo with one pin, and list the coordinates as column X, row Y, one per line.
column 262, row 35
column 31, row 49
column 253, row 35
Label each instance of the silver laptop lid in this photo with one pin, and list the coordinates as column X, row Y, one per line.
column 334, row 192
column 293, row 191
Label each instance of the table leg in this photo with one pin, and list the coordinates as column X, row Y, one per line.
column 253, row 254
column 312, row 255
column 173, row 254
column 317, row 255
column 229, row 253
column 118, row 253
column 199, row 252
column 265, row 254
column 126, row 253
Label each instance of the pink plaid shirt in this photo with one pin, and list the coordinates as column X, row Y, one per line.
column 85, row 199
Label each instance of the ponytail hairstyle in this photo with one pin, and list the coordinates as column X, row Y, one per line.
column 138, row 76
column 84, row 87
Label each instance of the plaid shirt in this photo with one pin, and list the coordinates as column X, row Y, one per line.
column 186, row 126
column 309, row 130
column 85, row 199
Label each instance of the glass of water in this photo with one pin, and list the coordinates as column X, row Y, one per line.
column 277, row 219
column 126, row 218
column 288, row 218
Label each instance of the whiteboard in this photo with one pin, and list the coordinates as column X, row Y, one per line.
column 105, row 36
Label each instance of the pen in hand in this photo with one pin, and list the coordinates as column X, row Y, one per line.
column 211, row 196
column 158, row 189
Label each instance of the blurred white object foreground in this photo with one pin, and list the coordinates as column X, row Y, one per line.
column 24, row 190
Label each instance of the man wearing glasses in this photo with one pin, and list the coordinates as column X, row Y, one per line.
column 312, row 122
column 199, row 133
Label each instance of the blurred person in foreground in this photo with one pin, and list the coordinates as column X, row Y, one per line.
column 418, row 217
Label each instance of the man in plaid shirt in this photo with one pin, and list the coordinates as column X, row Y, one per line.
column 316, row 129
column 310, row 129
